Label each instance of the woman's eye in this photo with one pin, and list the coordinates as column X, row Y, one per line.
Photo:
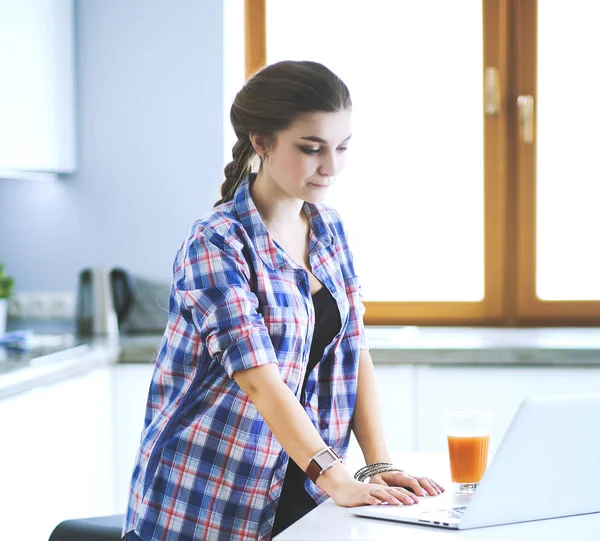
column 341, row 149
column 310, row 151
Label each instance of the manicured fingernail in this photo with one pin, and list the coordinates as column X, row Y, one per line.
column 423, row 493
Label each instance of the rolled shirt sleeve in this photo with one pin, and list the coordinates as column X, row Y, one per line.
column 212, row 283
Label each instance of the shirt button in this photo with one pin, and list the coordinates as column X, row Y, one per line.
column 323, row 425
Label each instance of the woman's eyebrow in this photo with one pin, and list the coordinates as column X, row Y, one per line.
column 315, row 139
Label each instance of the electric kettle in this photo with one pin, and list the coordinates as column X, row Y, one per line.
column 104, row 297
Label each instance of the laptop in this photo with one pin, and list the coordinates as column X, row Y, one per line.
column 547, row 466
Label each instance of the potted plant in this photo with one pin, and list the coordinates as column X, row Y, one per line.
column 6, row 286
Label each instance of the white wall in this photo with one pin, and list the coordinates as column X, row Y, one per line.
column 150, row 104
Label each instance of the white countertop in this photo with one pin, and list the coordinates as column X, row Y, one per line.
column 328, row 522
column 56, row 366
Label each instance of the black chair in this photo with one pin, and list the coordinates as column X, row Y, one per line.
column 89, row 529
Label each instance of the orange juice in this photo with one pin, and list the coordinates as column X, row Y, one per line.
column 468, row 457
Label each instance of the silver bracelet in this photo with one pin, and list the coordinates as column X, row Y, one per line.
column 368, row 467
column 375, row 468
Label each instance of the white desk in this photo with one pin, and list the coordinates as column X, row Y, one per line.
column 328, row 522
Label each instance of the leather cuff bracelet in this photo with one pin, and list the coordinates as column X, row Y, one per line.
column 321, row 462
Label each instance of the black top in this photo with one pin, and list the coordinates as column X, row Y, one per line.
column 295, row 502
column 327, row 325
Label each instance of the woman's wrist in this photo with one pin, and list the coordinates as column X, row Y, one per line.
column 377, row 457
column 333, row 478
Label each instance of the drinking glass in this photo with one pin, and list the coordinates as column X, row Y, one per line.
column 468, row 435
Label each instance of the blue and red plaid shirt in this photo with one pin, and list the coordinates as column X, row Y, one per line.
column 208, row 466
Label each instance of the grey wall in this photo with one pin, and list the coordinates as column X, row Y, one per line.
column 150, row 105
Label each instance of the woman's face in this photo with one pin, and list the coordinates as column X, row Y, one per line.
column 307, row 156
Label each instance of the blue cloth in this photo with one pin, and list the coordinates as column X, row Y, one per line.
column 208, row 466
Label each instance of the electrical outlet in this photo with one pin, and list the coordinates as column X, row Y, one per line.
column 42, row 305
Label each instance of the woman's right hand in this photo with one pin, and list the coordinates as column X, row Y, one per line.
column 346, row 491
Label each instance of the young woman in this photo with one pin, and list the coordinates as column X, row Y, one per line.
column 264, row 370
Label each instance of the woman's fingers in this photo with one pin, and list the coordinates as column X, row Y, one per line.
column 432, row 488
column 405, row 496
column 381, row 495
column 438, row 486
column 419, row 486
column 392, row 495
column 414, row 484
column 356, row 493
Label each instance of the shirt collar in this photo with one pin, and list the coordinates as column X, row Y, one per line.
column 254, row 225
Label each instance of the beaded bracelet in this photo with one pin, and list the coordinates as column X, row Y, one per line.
column 373, row 469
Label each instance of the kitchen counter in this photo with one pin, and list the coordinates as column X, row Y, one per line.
column 21, row 371
column 328, row 521
column 448, row 346
column 485, row 346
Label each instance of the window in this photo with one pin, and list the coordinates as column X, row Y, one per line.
column 446, row 143
column 568, row 174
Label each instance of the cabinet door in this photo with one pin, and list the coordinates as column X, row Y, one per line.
column 498, row 389
column 130, row 390
column 55, row 455
column 37, row 92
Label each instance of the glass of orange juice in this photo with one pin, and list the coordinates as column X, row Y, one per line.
column 468, row 435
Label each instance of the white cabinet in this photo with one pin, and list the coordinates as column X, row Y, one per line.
column 130, row 385
column 67, row 449
column 55, row 455
column 37, row 86
column 498, row 389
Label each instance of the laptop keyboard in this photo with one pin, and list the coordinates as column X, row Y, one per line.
column 456, row 512
column 440, row 516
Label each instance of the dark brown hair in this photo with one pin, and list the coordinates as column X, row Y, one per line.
column 270, row 101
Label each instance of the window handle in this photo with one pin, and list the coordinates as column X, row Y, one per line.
column 525, row 105
column 491, row 92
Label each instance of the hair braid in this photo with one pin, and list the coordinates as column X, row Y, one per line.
column 237, row 169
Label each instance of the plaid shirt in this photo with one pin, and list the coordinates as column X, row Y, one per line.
column 208, row 466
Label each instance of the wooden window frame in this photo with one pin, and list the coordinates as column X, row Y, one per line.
column 530, row 309
column 255, row 25
column 509, row 45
